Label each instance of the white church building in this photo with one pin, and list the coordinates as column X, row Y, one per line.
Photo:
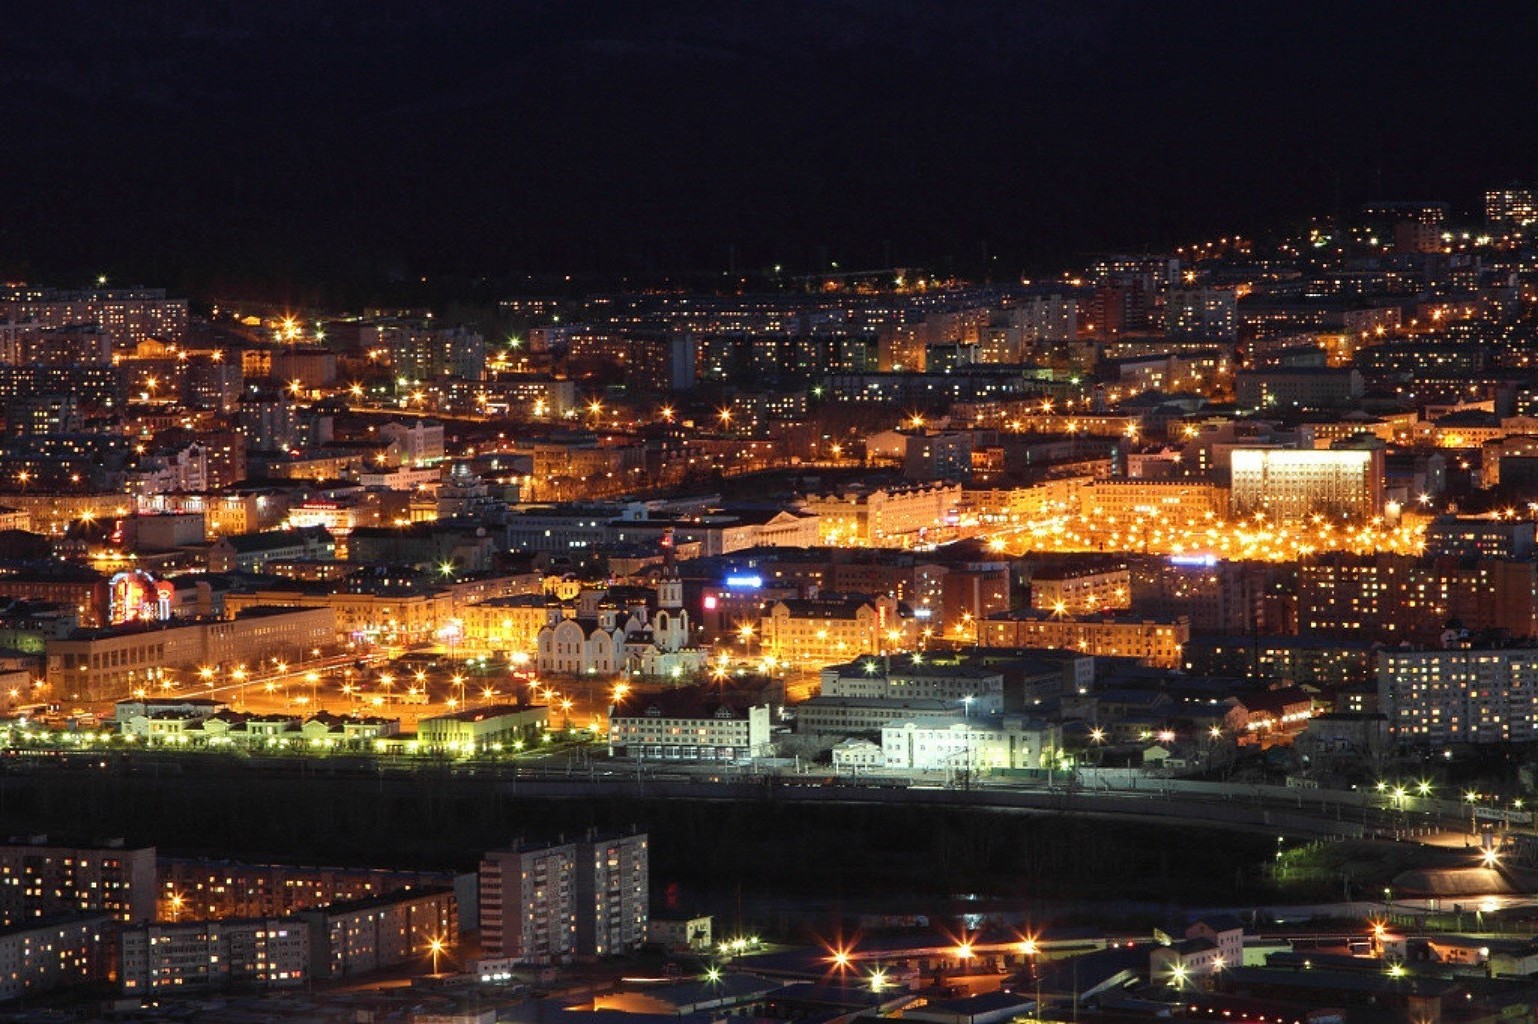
column 634, row 636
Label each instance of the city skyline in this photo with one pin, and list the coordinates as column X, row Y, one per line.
column 976, row 513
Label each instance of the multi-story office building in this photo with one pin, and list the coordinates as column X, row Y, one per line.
column 40, row 880
column 905, row 679
column 110, row 662
column 1300, row 387
column 1289, row 485
column 1460, row 695
column 826, row 715
column 176, row 956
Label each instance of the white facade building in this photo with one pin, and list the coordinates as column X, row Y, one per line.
column 638, row 639
column 971, row 744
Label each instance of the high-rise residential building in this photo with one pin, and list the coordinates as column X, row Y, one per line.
column 101, row 386
column 528, row 903
column 75, row 345
column 270, row 421
column 1047, row 318
column 1217, row 596
column 128, row 315
column 213, row 384
column 1397, row 596
column 613, row 887
column 422, row 350
column 1291, row 485
column 32, row 415
column 1460, row 695
column 1513, row 206
column 1207, row 313
column 39, row 880
column 1475, row 536
column 222, row 889
column 548, row 903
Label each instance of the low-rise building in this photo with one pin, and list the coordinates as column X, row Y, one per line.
column 494, row 727
column 689, row 724
column 849, row 716
column 971, row 744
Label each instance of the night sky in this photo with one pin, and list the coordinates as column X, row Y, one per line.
column 342, row 147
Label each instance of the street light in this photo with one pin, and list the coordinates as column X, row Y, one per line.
column 435, row 946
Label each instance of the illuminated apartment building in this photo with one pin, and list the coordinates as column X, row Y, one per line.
column 39, row 880
column 172, row 957
column 1151, row 641
column 544, row 904
column 1435, row 697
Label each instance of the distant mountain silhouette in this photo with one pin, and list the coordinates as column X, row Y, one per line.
column 346, row 145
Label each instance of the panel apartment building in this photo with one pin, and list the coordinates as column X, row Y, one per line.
column 551, row 903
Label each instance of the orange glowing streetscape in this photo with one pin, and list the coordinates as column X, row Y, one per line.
column 1170, row 533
